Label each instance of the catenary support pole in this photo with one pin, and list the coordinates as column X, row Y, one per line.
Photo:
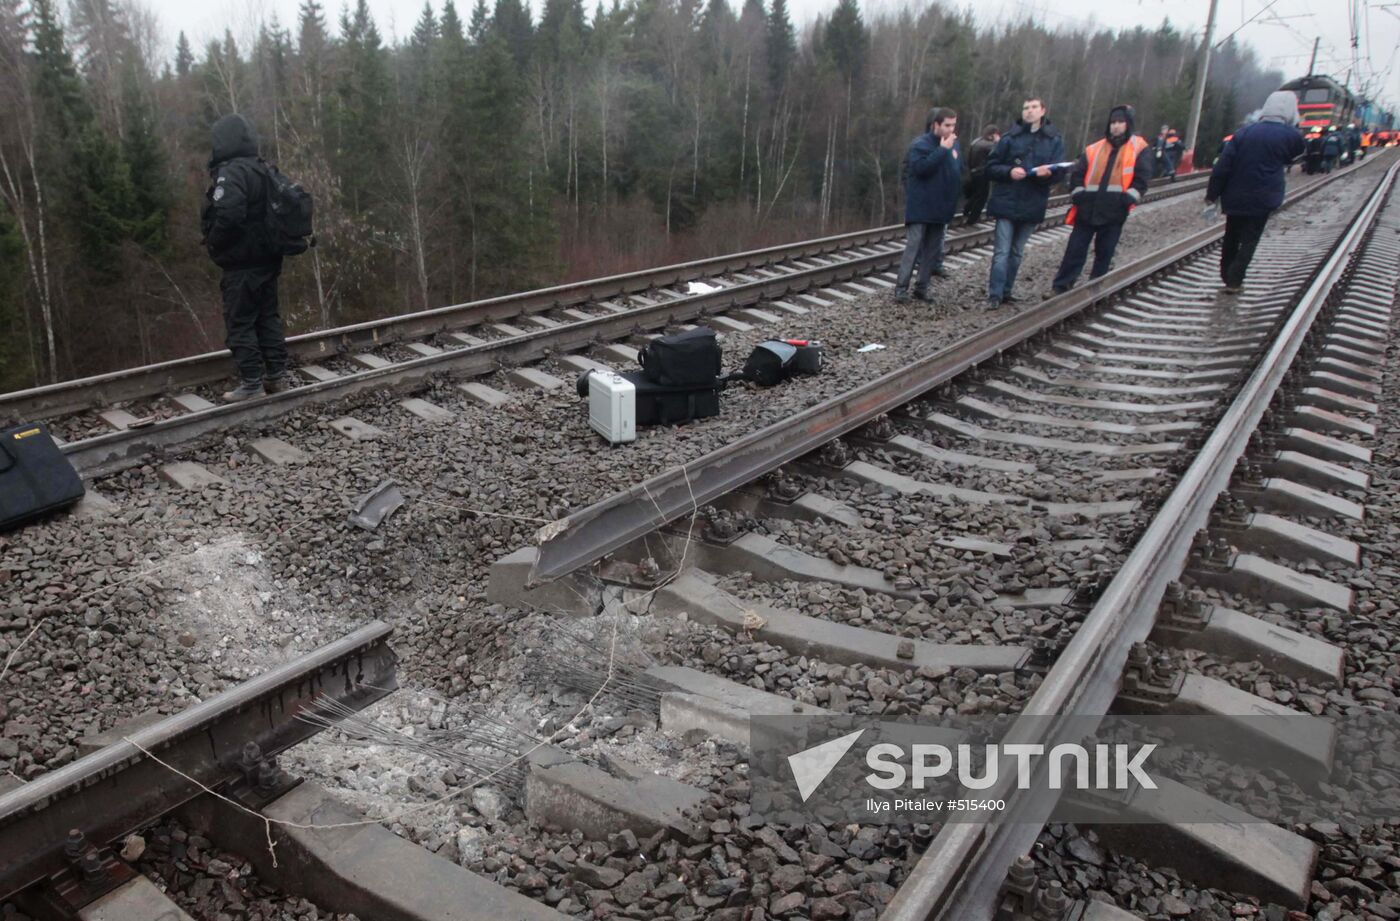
column 1193, row 127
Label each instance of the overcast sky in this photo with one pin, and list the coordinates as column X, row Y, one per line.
column 1281, row 31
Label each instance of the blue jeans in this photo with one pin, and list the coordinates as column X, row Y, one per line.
column 923, row 244
column 1105, row 237
column 1011, row 237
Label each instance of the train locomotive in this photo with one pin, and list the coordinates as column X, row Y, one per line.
column 1322, row 102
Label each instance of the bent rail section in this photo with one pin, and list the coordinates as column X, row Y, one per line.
column 118, row 789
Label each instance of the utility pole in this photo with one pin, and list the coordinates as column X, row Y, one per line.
column 1198, row 100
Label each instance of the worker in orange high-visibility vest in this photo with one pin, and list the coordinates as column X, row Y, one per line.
column 1108, row 179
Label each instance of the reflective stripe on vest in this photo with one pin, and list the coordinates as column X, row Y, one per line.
column 1124, row 166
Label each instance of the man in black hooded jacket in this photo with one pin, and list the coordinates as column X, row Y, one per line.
column 1107, row 181
column 235, row 234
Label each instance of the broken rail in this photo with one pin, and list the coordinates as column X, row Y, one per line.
column 230, row 738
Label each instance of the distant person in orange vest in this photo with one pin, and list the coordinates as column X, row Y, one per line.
column 1312, row 153
column 1168, row 149
column 1107, row 181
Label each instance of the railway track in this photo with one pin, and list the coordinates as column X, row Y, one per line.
column 57, row 831
column 1191, row 401
column 889, row 565
column 115, row 420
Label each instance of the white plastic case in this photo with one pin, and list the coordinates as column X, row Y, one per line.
column 612, row 406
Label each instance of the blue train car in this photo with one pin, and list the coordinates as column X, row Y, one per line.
column 1373, row 117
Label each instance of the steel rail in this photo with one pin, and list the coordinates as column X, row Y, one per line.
column 180, row 374
column 593, row 532
column 112, row 451
column 960, row 875
column 117, row 789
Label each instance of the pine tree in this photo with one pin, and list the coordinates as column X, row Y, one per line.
column 782, row 45
column 511, row 24
column 418, row 67
column 480, row 22
column 716, row 25
column 452, row 41
column 57, row 85
column 311, row 29
column 146, row 165
column 91, row 187
column 844, row 41
column 425, row 32
column 311, row 62
column 362, row 95
column 184, row 58
column 507, row 222
column 272, row 89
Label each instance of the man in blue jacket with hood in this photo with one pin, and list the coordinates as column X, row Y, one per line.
column 932, row 181
column 1248, row 182
column 1022, row 169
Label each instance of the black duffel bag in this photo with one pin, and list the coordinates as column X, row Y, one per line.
column 35, row 477
column 686, row 359
column 769, row 363
column 774, row 360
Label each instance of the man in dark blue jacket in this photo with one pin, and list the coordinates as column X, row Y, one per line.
column 1248, row 182
column 1331, row 149
column 932, row 180
column 1022, row 169
column 234, row 222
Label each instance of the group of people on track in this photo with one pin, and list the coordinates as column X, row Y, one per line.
column 1011, row 175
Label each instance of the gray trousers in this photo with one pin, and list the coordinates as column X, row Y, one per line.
column 924, row 245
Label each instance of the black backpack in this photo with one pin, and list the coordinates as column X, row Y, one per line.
column 772, row 361
column 686, row 359
column 288, row 215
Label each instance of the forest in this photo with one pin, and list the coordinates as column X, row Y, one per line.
column 491, row 149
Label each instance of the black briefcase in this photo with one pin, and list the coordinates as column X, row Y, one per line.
column 35, row 477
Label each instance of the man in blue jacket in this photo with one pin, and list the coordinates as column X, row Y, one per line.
column 1021, row 168
column 932, row 180
column 1248, row 182
column 1331, row 149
